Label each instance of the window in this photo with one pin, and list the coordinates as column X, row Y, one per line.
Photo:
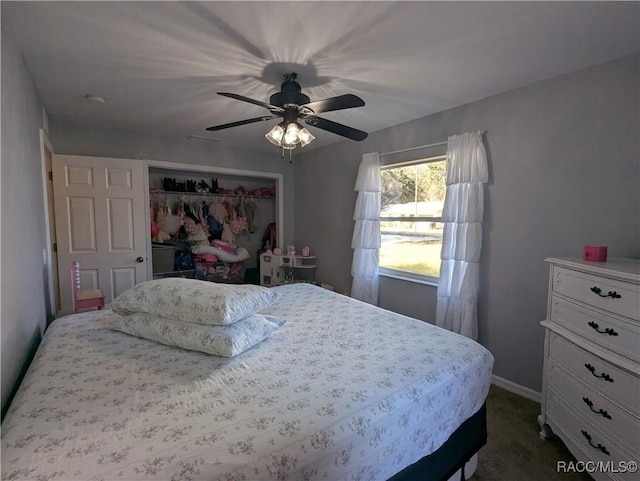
column 411, row 218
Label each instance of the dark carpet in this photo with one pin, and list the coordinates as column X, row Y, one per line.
column 514, row 449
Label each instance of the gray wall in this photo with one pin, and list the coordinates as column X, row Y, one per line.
column 76, row 139
column 564, row 171
column 23, row 288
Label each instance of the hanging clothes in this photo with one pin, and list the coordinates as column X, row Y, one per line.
column 251, row 209
column 180, row 209
column 238, row 222
column 219, row 212
column 227, row 235
column 237, row 225
column 202, row 218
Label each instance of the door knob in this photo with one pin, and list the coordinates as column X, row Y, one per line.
column 139, row 259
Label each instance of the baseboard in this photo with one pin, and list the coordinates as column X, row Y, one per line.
column 516, row 388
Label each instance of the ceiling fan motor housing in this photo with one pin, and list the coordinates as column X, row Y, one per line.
column 290, row 93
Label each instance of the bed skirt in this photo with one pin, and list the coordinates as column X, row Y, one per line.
column 452, row 455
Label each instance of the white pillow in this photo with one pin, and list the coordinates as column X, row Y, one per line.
column 191, row 300
column 225, row 341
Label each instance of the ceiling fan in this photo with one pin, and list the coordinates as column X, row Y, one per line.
column 292, row 105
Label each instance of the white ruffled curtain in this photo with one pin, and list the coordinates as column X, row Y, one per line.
column 366, row 232
column 462, row 237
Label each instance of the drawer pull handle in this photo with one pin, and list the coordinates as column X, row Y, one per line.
column 601, row 411
column 611, row 294
column 607, row 330
column 604, row 375
column 598, row 446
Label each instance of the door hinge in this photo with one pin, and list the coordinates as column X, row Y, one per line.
column 51, row 175
column 55, row 247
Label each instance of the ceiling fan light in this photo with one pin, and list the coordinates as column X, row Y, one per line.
column 291, row 135
column 275, row 135
column 305, row 137
column 288, row 137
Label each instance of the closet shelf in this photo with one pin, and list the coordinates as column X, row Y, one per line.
column 170, row 193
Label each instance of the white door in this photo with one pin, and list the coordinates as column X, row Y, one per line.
column 52, row 231
column 100, row 222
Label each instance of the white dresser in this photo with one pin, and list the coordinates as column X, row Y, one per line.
column 591, row 381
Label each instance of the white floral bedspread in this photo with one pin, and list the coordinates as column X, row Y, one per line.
column 344, row 391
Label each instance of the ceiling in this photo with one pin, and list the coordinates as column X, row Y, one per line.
column 160, row 64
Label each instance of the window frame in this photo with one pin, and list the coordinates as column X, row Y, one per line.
column 400, row 274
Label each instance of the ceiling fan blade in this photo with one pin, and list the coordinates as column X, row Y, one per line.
column 242, row 122
column 270, row 107
column 336, row 128
column 340, row 102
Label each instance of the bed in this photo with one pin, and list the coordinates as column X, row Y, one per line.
column 342, row 391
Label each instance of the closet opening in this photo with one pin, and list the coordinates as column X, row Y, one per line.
column 211, row 223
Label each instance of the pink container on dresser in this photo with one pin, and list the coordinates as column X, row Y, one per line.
column 594, row 253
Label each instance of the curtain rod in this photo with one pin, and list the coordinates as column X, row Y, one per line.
column 412, row 148
column 416, row 148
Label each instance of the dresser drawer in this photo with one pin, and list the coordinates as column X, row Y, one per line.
column 618, row 297
column 594, row 444
column 606, row 416
column 612, row 382
column 614, row 334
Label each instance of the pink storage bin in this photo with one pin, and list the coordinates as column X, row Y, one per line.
column 594, row 253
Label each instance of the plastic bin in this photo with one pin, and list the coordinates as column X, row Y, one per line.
column 162, row 258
